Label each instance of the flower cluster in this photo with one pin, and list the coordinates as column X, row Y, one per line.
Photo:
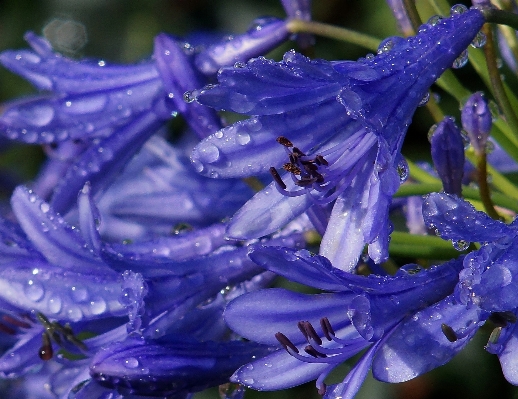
column 140, row 260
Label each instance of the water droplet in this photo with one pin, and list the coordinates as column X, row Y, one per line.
column 460, row 245
column 434, row 20
column 402, row 170
column 54, row 304
column 75, row 313
column 458, row 9
column 127, row 297
column 385, row 46
column 243, row 138
column 98, row 306
column 34, row 290
column 431, row 131
column 218, row 134
column 461, row 60
column 490, row 147
column 101, row 63
column 131, row 363
column 207, row 152
column 79, row 294
column 44, row 207
column 239, row 64
column 479, row 40
column 424, row 100
column 188, row 97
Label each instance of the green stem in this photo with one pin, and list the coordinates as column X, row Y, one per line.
column 421, row 175
column 496, row 81
column 334, row 32
column 498, row 180
column 483, row 187
column 413, row 15
column 500, row 17
column 407, row 190
column 417, row 246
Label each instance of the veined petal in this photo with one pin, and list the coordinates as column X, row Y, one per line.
column 271, row 372
column 53, row 72
column 60, row 293
column 255, row 86
column 149, row 368
column 264, row 35
column 179, row 76
column 101, row 162
column 456, row 219
column 249, row 147
column 265, row 213
column 419, row 345
column 89, row 218
column 258, row 316
column 301, row 266
column 51, row 235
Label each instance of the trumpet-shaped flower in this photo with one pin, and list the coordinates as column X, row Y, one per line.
column 359, row 313
column 336, row 128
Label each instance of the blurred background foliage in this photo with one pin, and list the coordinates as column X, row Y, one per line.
column 122, row 31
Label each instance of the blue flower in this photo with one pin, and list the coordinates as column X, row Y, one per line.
column 174, row 367
column 339, row 126
column 359, row 313
column 115, row 109
column 487, row 282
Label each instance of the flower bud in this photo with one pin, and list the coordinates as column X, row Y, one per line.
column 448, row 155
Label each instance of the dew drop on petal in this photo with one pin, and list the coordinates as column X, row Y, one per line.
column 402, row 170
column 479, row 40
column 460, row 245
column 98, row 306
column 458, row 9
column 433, row 20
column 461, row 60
column 188, row 97
column 131, row 363
column 55, row 304
column 34, row 290
column 424, row 100
column 207, row 152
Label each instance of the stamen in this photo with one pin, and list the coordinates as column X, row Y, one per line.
column 284, row 141
column 327, row 328
column 313, row 352
column 448, row 332
column 286, row 343
column 16, row 322
column 500, row 319
column 292, row 168
column 45, row 352
column 310, row 332
column 277, row 178
column 7, row 330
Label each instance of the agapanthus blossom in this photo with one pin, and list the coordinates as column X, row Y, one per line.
column 359, row 313
column 114, row 109
column 336, row 128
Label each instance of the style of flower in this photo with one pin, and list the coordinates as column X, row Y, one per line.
column 336, row 128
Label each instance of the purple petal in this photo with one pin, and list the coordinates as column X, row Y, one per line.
column 265, row 213
column 301, row 266
column 258, row 316
column 264, row 35
column 418, row 345
column 277, row 371
column 456, row 219
column 51, row 235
